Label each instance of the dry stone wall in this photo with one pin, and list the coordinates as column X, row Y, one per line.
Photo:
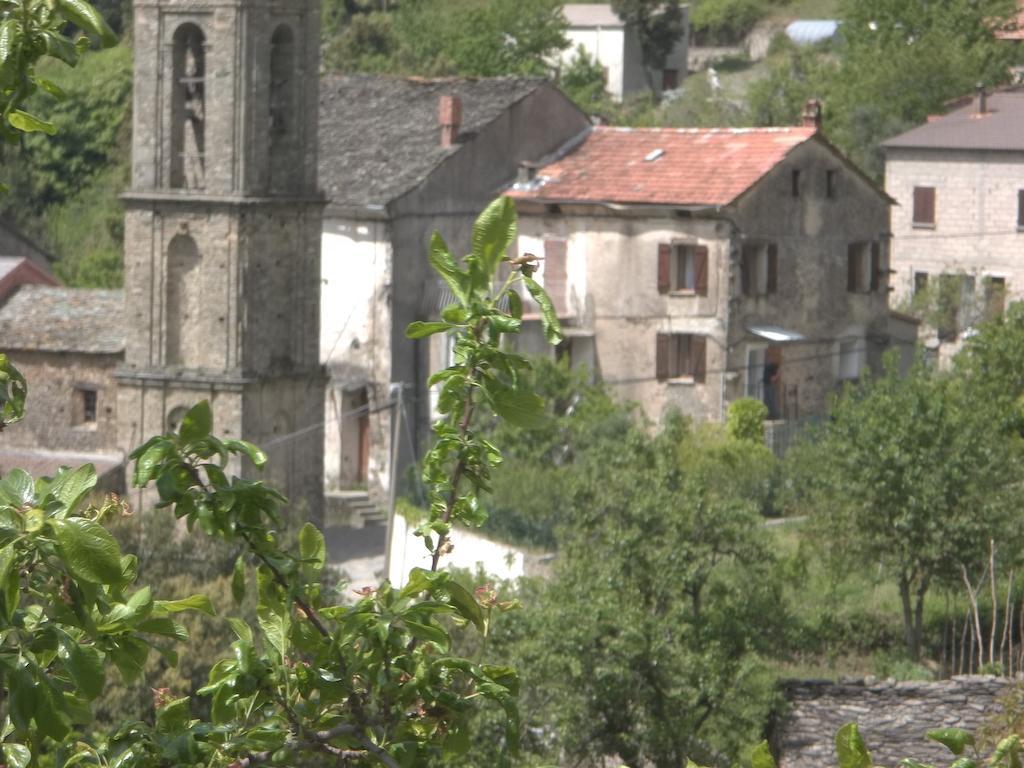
column 893, row 717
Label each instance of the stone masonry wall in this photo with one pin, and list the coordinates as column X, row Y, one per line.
column 893, row 717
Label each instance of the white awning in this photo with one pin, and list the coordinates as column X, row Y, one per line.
column 775, row 333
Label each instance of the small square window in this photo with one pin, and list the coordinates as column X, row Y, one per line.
column 795, row 183
column 85, row 401
column 920, row 282
column 830, row 183
column 1020, row 209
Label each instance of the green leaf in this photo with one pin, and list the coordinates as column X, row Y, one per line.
column 70, row 486
column 18, row 489
column 443, row 263
column 199, row 603
column 850, row 748
column 10, row 35
column 493, row 233
column 89, row 20
column 548, row 316
column 1007, row 753
column 761, row 756
column 85, row 665
column 255, row 454
column 275, row 627
column 197, row 423
column 23, row 121
column 242, row 630
column 420, row 329
column 312, row 547
column 147, row 463
column 519, row 407
column 89, row 551
column 238, row 580
column 16, row 755
column 428, row 633
column 58, row 46
column 7, row 557
column 465, row 604
column 51, row 88
column 515, row 303
column 961, row 762
column 954, row 739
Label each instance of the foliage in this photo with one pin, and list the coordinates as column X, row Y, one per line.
column 583, row 80
column 909, row 476
column 372, row 682
column 991, row 364
column 660, row 24
column 646, row 642
column 745, row 420
column 29, row 33
column 528, row 497
column 479, row 38
column 725, row 22
column 795, row 74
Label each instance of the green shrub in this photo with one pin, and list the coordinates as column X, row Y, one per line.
column 725, row 22
column 745, row 420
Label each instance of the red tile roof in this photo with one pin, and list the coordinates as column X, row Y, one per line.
column 696, row 166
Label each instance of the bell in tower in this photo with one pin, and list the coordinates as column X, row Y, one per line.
column 222, row 230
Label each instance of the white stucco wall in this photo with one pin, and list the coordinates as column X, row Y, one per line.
column 355, row 339
column 471, row 552
column 607, row 45
column 975, row 216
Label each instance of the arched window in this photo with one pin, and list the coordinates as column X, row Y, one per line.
column 285, row 167
column 184, row 301
column 282, row 81
column 188, row 109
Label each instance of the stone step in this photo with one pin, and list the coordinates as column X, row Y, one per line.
column 354, row 508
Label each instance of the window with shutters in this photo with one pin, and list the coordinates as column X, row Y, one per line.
column 920, row 282
column 759, row 271
column 863, row 267
column 924, row 207
column 681, row 356
column 995, row 296
column 1020, row 209
column 683, row 268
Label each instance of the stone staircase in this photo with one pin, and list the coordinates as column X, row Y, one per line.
column 353, row 508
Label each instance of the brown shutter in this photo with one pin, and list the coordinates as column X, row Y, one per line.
column 664, row 268
column 661, row 356
column 924, row 205
column 700, row 270
column 1020, row 208
column 698, row 358
column 556, row 274
column 773, row 268
column 851, row 268
column 876, row 265
column 747, row 271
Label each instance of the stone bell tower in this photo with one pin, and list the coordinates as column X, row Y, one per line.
column 222, row 231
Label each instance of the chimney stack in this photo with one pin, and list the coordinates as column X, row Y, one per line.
column 982, row 98
column 450, row 117
column 811, row 117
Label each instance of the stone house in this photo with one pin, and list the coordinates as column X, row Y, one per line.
column 616, row 46
column 68, row 343
column 415, row 156
column 692, row 267
column 959, row 223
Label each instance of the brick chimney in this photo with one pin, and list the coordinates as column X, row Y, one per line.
column 450, row 117
column 811, row 116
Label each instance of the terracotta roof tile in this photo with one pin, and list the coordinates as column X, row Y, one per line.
column 689, row 166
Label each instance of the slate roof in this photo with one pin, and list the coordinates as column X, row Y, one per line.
column 998, row 129
column 56, row 319
column 661, row 166
column 8, row 264
column 39, row 462
column 591, row 15
column 380, row 136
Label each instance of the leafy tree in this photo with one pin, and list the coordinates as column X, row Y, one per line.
column 991, row 365
column 645, row 643
column 659, row 23
column 725, row 22
column 583, row 80
column 909, row 476
column 480, row 38
column 370, row 683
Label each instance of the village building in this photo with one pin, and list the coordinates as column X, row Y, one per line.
column 958, row 228
column 692, row 267
column 599, row 31
column 417, row 156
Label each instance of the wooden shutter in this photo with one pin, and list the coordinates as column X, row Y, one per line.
column 664, row 268
column 773, row 268
column 698, row 358
column 924, row 205
column 747, row 267
column 851, row 268
column 555, row 274
column 700, row 270
column 876, row 265
column 661, row 356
